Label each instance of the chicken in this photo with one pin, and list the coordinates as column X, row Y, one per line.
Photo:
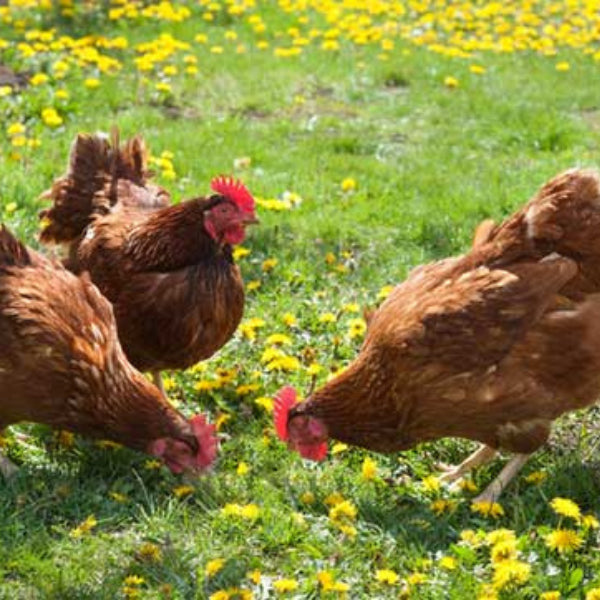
column 61, row 364
column 491, row 346
column 167, row 269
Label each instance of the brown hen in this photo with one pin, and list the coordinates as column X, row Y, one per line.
column 491, row 346
column 61, row 364
column 167, row 269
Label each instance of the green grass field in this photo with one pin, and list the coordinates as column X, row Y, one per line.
column 377, row 134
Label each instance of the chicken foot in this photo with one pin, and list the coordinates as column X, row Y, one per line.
column 511, row 468
column 481, row 456
column 158, row 382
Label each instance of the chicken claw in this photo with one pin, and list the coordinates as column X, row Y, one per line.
column 453, row 474
column 513, row 466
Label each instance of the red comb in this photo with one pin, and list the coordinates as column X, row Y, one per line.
column 285, row 399
column 207, row 441
column 234, row 190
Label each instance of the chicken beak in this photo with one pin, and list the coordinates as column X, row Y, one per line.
column 250, row 220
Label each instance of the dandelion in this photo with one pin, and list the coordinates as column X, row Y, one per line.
column 487, row 592
column 357, row 328
column 416, row 578
column 242, row 469
column 510, row 573
column 338, row 448
column 214, row 566
column 384, row 292
column 449, row 563
column 265, row 403
column 369, row 469
column 477, row 69
column 289, row 319
column 593, row 594
column 504, row 550
column 134, row 580
column 278, row 339
column 117, row 497
column 51, row 118
column 441, row 506
column 343, row 510
column 285, row 585
column 487, row 509
column 254, row 576
column 84, row 528
column 552, row 595
column 566, row 508
column 240, row 252
column 183, row 490
column 387, row 576
column 150, row 552
column 470, row 538
column 590, row 522
column 269, row 264
column 499, row 536
column 327, row 317
column 467, row 485
column 307, row 498
column 563, row 540
column 38, row 79
column 5, row 90
column 451, row 82
column 249, row 512
column 431, row 484
column 329, row 584
column 164, row 87
column 91, row 83
column 536, row 478
column 153, row 463
column 15, row 129
column 251, row 286
column 333, row 499
column 563, row 66
column 348, row 184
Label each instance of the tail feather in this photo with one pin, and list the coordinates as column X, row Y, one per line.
column 12, row 251
column 89, row 186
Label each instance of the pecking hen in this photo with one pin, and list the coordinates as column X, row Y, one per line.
column 61, row 364
column 168, row 269
column 491, row 346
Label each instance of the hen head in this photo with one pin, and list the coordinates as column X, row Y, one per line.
column 181, row 456
column 304, row 433
column 226, row 220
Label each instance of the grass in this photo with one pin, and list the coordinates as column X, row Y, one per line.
column 424, row 159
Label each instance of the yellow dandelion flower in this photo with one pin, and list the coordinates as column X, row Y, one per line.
column 307, row 498
column 338, row 448
column 348, row 185
column 183, row 490
column 265, row 403
column 563, row 540
column 333, row 499
column 384, row 292
column 416, row 578
column 343, row 510
column 387, row 576
column 38, row 79
column 487, row 592
column 431, row 484
column 487, row 509
column 552, row 595
column 536, row 478
column 477, row 69
column 451, row 82
column 134, row 580
column 153, row 463
column 441, row 506
column 285, row 585
column 500, row 535
column 449, row 563
column 357, row 328
column 268, row 265
column 253, row 285
column 150, row 552
column 369, row 469
column 51, row 118
column 278, row 339
column 84, row 528
column 214, row 566
column 289, row 319
column 327, row 317
column 590, row 522
column 505, row 550
column 566, row 508
column 593, row 594
column 242, row 469
column 254, row 576
column 508, row 573
column 563, row 66
column 117, row 497
column 91, row 83
column 240, row 252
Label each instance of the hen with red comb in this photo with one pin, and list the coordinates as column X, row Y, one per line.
column 234, row 190
column 303, row 434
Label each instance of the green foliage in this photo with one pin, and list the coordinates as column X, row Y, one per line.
column 394, row 165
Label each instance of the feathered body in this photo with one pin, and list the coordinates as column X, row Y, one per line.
column 167, row 269
column 61, row 363
column 491, row 346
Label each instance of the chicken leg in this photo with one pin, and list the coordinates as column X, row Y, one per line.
column 158, row 382
column 511, row 468
column 481, row 456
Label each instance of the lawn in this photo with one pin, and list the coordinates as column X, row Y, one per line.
column 376, row 135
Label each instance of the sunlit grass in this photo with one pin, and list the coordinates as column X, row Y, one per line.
column 375, row 138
